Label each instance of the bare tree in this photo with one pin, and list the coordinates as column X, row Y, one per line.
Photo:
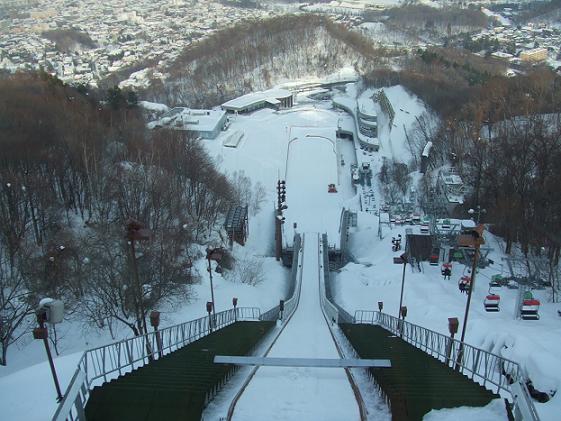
column 15, row 306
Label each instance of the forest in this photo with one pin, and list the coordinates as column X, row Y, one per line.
column 255, row 55
column 502, row 134
column 76, row 172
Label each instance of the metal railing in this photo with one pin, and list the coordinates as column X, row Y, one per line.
column 101, row 364
column 342, row 315
column 480, row 365
column 294, row 290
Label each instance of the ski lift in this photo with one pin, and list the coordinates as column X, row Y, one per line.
column 464, row 283
column 445, row 268
column 530, row 307
column 491, row 302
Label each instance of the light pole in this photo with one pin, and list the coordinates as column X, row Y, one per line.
column 137, row 232
column 50, row 311
column 215, row 254
column 401, row 260
column 473, row 239
column 453, row 329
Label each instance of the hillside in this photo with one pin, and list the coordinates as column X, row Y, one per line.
column 256, row 55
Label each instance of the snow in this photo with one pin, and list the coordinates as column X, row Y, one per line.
column 154, row 106
column 309, row 203
column 430, row 300
column 30, row 394
column 493, row 411
column 278, row 393
column 300, row 144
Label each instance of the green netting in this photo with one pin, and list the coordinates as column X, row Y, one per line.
column 174, row 387
column 416, row 383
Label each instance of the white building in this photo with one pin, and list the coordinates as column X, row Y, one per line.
column 206, row 124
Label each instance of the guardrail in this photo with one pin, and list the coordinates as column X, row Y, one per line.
column 328, row 307
column 480, row 365
column 98, row 365
column 291, row 302
column 342, row 315
column 476, row 362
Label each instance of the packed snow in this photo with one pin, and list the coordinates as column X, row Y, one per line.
column 301, row 393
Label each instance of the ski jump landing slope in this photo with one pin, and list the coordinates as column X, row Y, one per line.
column 280, row 393
column 311, row 165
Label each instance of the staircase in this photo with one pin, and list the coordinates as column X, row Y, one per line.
column 179, row 385
column 417, row 382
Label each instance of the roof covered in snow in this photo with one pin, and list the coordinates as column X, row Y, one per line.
column 271, row 96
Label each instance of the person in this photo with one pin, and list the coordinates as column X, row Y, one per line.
column 447, row 272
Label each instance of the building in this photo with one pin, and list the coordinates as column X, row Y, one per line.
column 450, row 189
column 367, row 122
column 273, row 98
column 534, row 56
column 206, row 124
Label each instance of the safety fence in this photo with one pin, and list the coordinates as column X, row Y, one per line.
column 293, row 291
column 478, row 364
column 342, row 315
column 101, row 364
column 482, row 366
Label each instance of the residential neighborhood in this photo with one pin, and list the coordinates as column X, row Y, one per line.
column 100, row 38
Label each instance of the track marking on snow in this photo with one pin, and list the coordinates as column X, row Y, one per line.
column 232, row 406
column 305, row 390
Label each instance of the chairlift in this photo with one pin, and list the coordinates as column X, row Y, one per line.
column 492, row 301
column 530, row 307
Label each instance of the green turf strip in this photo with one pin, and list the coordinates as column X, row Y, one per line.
column 174, row 387
column 416, row 383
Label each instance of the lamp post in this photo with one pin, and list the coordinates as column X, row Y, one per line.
column 401, row 260
column 51, row 311
column 453, row 329
column 155, row 322
column 473, row 239
column 215, row 254
column 209, row 310
column 137, row 232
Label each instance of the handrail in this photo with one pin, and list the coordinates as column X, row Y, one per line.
column 481, row 364
column 484, row 366
column 112, row 360
column 291, row 303
column 342, row 314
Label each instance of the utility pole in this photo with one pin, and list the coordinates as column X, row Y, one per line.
column 475, row 241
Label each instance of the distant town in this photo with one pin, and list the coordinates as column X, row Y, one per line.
column 115, row 35
column 84, row 42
